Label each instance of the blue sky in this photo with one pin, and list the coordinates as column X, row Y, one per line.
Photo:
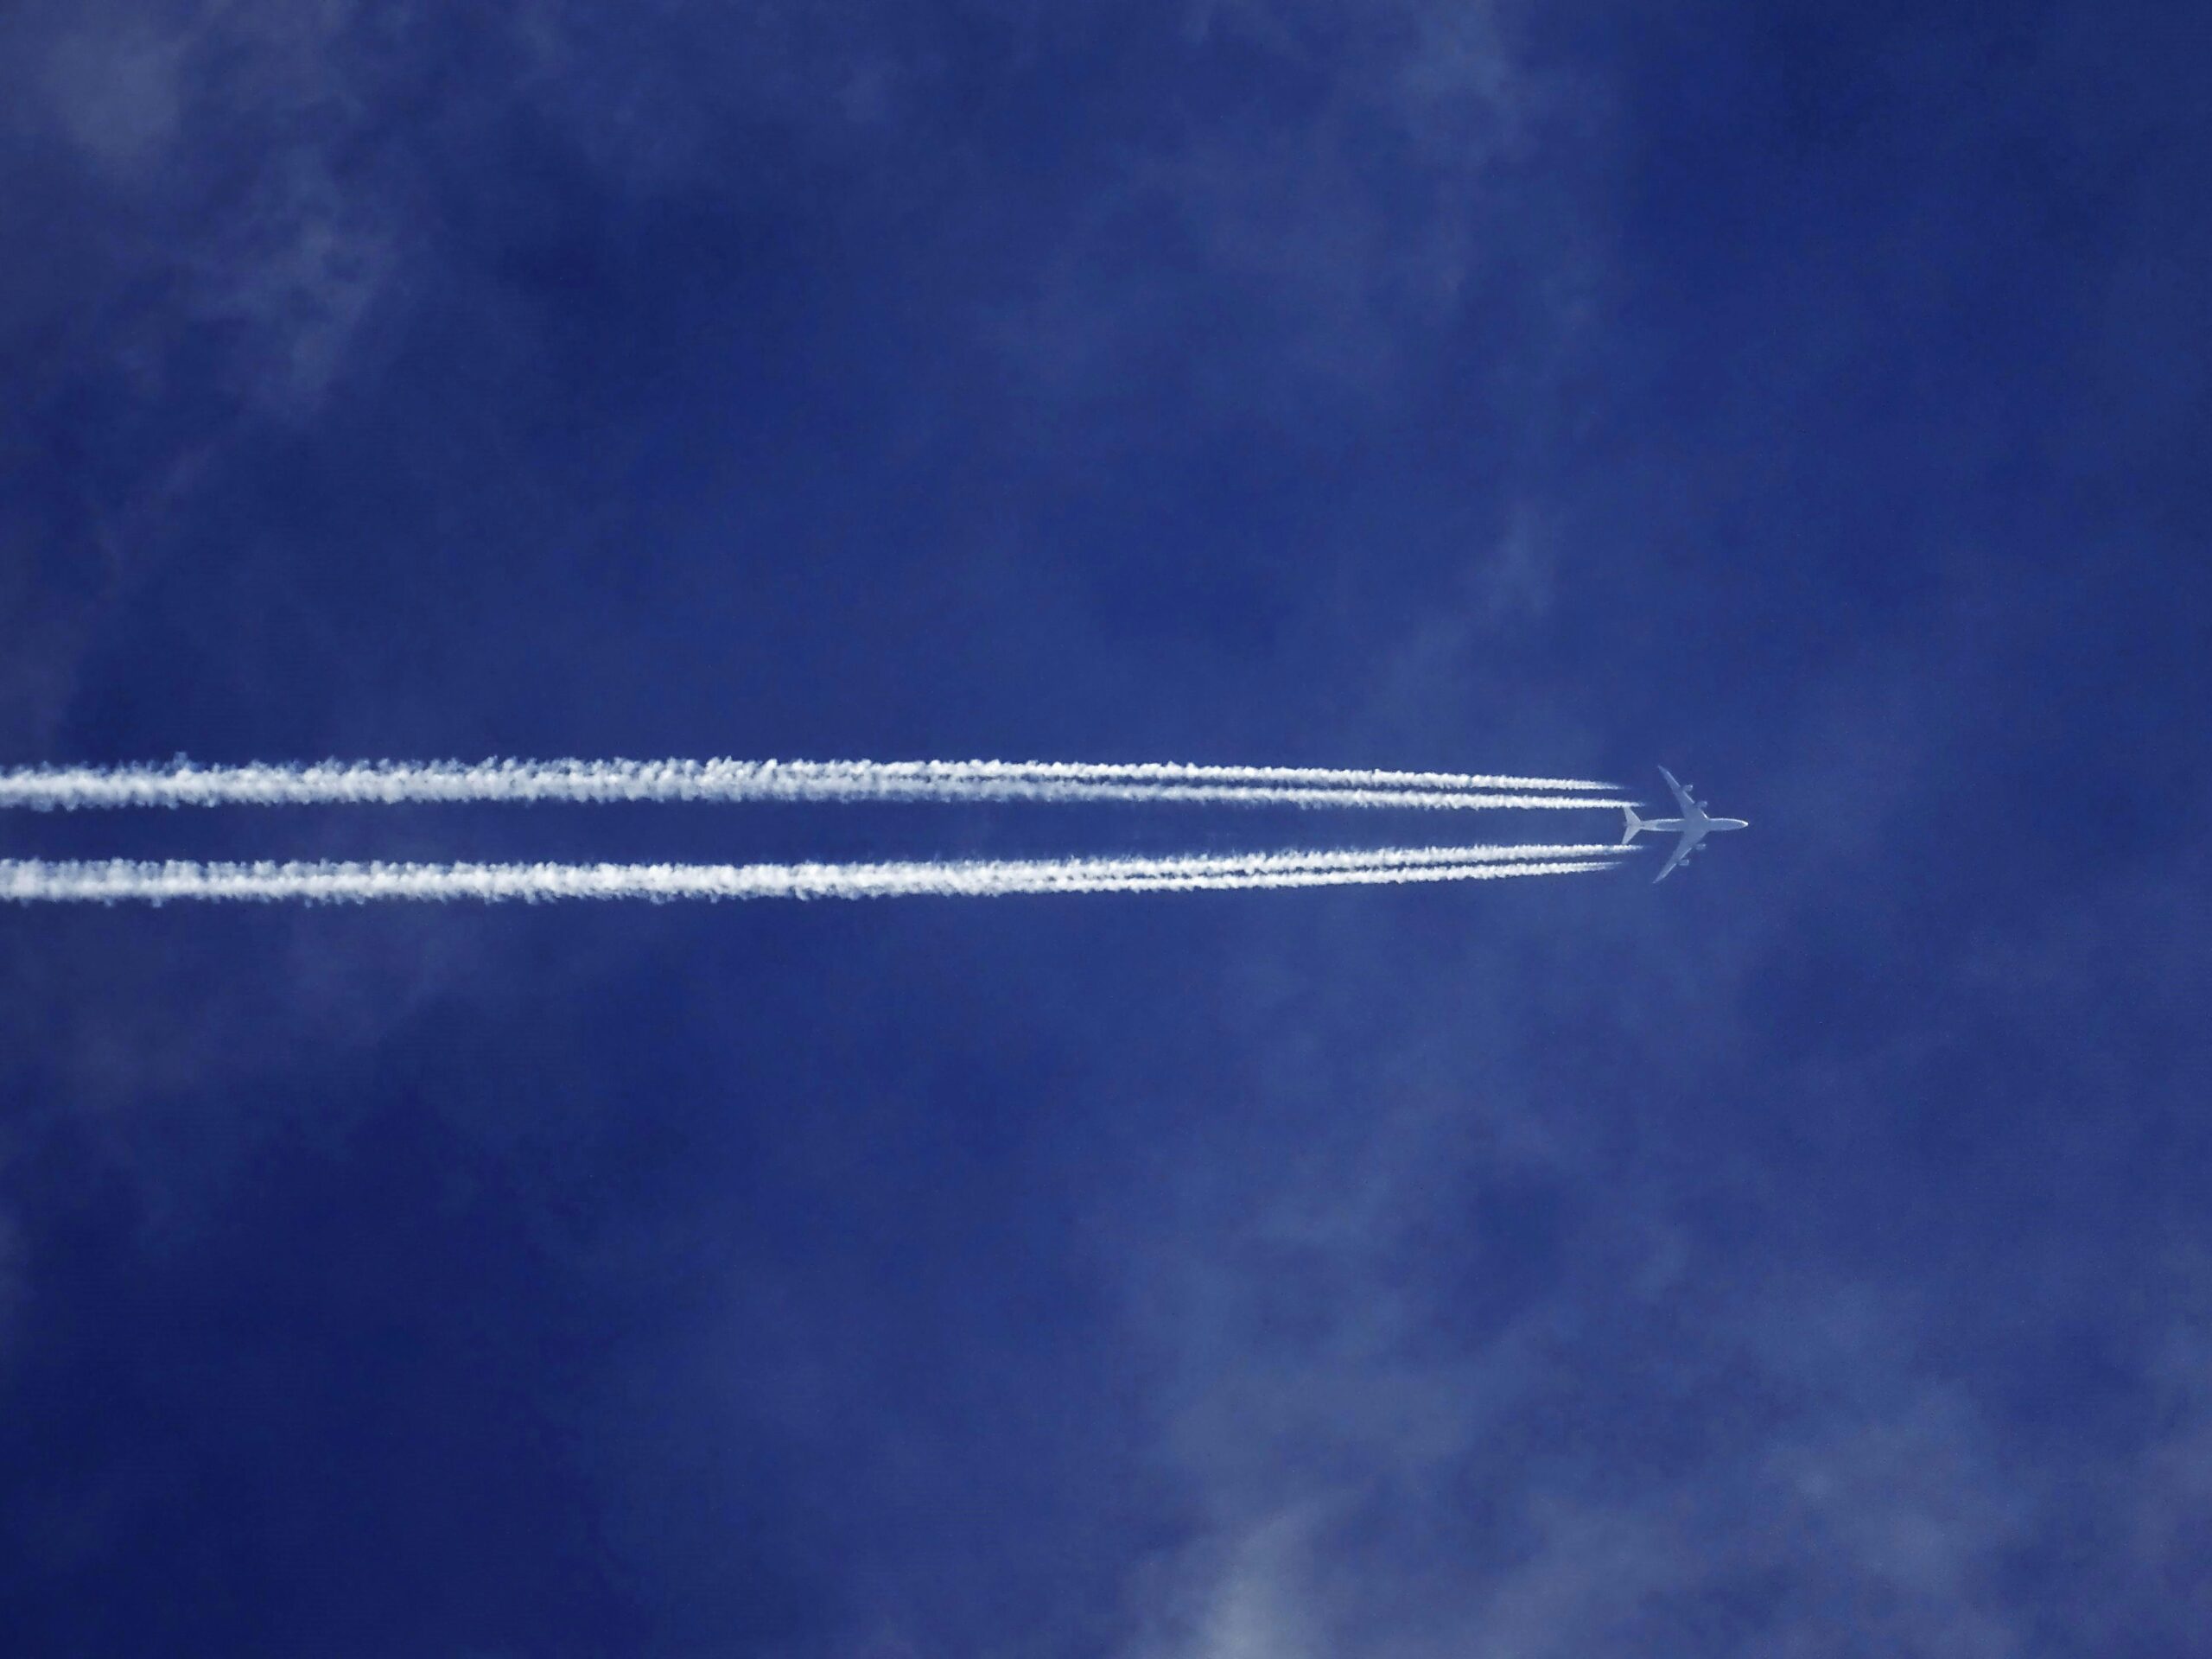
column 1807, row 1254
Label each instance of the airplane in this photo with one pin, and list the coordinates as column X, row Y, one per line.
column 1692, row 826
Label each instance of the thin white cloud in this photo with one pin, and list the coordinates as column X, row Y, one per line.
column 114, row 85
column 1902, row 1510
column 301, row 269
column 213, row 134
column 258, row 169
column 12, row 1282
column 1343, row 239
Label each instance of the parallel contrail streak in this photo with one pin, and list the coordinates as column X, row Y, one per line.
column 1311, row 777
column 31, row 880
column 71, row 789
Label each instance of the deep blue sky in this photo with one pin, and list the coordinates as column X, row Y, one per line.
column 1810, row 1255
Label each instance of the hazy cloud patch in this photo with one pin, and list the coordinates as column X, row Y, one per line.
column 116, row 93
column 11, row 1278
column 1421, row 1407
column 1319, row 251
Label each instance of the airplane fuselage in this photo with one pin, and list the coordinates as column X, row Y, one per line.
column 1691, row 828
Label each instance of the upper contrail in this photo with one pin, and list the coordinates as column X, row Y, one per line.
column 1311, row 776
column 29, row 881
column 390, row 783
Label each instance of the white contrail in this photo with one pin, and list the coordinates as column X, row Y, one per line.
column 1305, row 777
column 385, row 783
column 30, row 880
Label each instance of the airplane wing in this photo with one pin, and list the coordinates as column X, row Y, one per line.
column 1689, row 808
column 1683, row 849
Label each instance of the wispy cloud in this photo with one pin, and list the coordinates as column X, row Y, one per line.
column 1353, row 227
column 10, row 1281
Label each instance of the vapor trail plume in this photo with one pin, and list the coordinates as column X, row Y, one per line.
column 72, row 789
column 30, row 880
column 1305, row 777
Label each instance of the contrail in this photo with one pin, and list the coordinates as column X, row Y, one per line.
column 1309, row 777
column 385, row 783
column 30, row 880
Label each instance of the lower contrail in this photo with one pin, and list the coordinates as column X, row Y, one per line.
column 30, row 881
column 390, row 783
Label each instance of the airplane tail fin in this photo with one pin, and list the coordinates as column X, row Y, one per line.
column 1634, row 827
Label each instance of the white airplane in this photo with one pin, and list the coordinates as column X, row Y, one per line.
column 1693, row 826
